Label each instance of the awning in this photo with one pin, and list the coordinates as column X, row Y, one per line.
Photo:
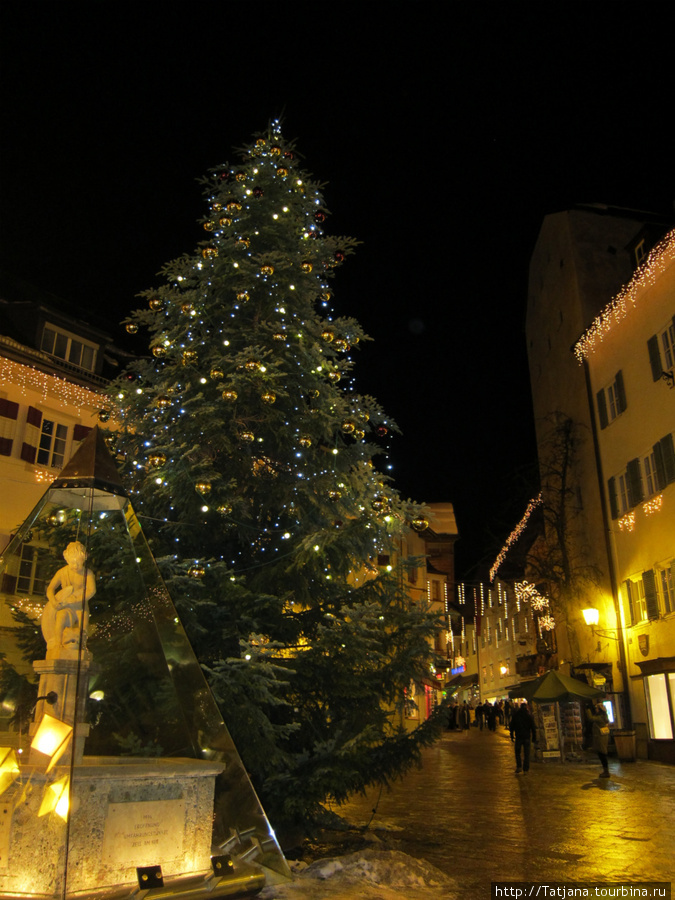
column 460, row 681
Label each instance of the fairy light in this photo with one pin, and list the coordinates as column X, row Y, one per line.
column 626, row 300
column 513, row 537
column 26, row 378
column 627, row 522
column 546, row 623
column 653, row 505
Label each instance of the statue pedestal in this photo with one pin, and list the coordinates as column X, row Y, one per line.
column 124, row 813
column 69, row 680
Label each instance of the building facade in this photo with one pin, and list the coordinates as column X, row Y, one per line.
column 618, row 415
column 628, row 355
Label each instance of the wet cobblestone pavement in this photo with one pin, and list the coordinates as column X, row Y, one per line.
column 468, row 814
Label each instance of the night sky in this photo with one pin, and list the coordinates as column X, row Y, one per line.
column 445, row 133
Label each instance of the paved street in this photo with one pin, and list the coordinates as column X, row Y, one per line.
column 468, row 814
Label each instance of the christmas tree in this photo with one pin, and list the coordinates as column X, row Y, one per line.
column 251, row 460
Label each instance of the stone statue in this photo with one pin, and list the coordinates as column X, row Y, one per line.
column 65, row 618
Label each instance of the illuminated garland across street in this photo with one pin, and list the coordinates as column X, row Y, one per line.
column 619, row 307
column 513, row 537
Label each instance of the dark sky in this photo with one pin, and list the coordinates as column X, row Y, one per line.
column 446, row 132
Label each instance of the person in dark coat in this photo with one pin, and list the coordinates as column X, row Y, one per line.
column 491, row 716
column 521, row 727
column 597, row 716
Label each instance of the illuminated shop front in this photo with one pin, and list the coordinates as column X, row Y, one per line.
column 659, row 685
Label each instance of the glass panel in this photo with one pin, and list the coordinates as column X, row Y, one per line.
column 87, row 361
column 75, row 352
column 144, row 771
column 48, row 336
column 60, row 346
column 659, row 709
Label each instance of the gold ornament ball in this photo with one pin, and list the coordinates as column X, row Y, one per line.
column 216, row 374
column 252, row 365
column 157, row 459
column 131, row 327
column 334, row 377
column 243, row 296
column 348, row 427
column 267, row 270
column 260, row 143
column 240, row 176
column 326, row 296
column 334, row 495
column 305, row 441
column 224, row 509
column 233, row 205
column 230, row 395
column 380, row 502
column 328, row 335
column 282, row 171
column 156, row 303
column 247, row 436
column 342, row 345
column 209, row 252
column 217, row 206
column 420, row 523
column 278, row 336
column 208, row 226
column 359, row 434
column 196, row 571
column 275, row 150
column 163, row 402
column 225, row 222
column 159, row 351
column 269, row 397
column 203, row 487
column 186, row 308
column 189, row 357
column 243, row 242
column 313, row 394
column 104, row 415
column 306, row 267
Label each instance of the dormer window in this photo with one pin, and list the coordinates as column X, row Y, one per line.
column 68, row 347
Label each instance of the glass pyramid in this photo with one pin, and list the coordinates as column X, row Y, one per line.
column 117, row 772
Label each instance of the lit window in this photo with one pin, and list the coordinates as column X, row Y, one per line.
column 651, row 478
column 666, row 589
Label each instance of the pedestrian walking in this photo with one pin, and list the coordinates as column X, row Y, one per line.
column 522, row 730
column 492, row 716
column 597, row 715
column 479, row 715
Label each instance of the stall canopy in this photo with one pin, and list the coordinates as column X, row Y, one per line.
column 554, row 686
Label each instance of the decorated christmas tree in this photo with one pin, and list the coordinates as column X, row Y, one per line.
column 252, row 461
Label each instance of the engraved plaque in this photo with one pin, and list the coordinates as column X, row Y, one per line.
column 143, row 833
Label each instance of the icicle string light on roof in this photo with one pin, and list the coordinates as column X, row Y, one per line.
column 625, row 301
column 27, row 378
column 513, row 537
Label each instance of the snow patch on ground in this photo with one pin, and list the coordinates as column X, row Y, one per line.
column 366, row 875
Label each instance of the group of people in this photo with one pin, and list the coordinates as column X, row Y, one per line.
column 520, row 722
column 482, row 715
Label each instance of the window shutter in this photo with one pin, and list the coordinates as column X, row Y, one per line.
column 34, row 417
column 634, row 482
column 668, row 456
column 28, row 453
column 602, row 409
column 613, row 501
column 664, row 457
column 654, row 356
column 80, row 432
column 8, row 583
column 628, row 589
column 620, row 391
column 651, row 597
column 9, row 409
